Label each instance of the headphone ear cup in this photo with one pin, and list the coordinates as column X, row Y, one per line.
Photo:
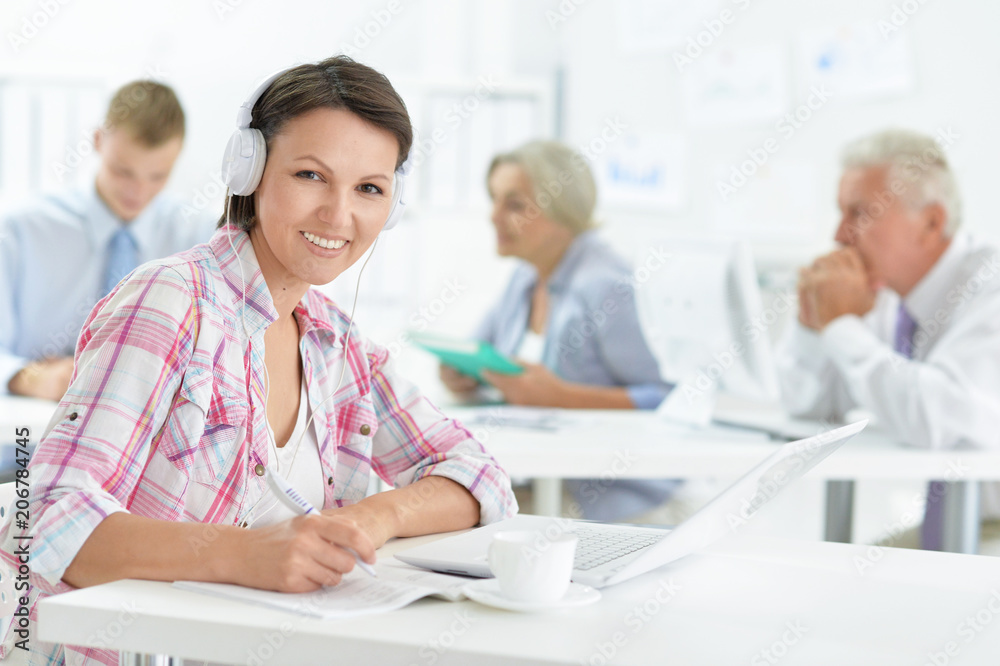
column 243, row 163
column 398, row 201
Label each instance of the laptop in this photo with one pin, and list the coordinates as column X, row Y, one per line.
column 608, row 554
column 778, row 425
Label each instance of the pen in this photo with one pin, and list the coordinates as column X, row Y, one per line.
column 296, row 502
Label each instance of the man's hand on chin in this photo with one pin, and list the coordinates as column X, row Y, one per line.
column 834, row 285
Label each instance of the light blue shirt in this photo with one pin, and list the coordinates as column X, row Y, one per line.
column 52, row 263
column 593, row 337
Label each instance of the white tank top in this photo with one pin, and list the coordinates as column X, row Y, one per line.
column 302, row 470
column 532, row 347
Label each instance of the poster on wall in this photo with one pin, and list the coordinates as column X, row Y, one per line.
column 649, row 26
column 856, row 61
column 777, row 203
column 643, row 172
column 731, row 87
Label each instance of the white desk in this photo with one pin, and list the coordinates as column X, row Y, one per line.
column 805, row 602
column 590, row 448
column 601, row 440
column 652, row 450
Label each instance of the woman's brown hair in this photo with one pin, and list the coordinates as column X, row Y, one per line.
column 335, row 83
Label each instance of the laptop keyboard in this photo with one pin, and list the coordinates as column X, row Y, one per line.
column 599, row 545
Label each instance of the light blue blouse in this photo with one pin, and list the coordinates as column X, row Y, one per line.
column 592, row 336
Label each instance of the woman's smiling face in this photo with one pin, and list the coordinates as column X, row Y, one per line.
column 324, row 197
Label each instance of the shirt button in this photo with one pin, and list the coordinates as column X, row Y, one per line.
column 73, row 416
column 258, row 469
column 366, row 430
column 329, row 481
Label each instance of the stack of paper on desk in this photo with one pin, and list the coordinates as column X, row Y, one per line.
column 513, row 416
column 358, row 593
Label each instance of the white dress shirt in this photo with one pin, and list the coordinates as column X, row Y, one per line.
column 948, row 395
column 52, row 264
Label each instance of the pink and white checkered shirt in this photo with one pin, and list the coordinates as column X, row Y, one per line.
column 168, row 391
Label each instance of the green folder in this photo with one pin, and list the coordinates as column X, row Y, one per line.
column 469, row 357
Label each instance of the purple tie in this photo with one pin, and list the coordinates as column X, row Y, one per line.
column 931, row 533
column 905, row 328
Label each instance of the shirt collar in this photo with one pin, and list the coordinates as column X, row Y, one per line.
column 102, row 223
column 314, row 301
column 241, row 271
column 929, row 294
column 567, row 265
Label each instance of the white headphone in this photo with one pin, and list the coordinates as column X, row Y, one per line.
column 246, row 154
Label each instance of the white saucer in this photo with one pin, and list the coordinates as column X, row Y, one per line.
column 487, row 591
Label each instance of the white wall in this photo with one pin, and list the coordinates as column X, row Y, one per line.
column 953, row 52
column 213, row 53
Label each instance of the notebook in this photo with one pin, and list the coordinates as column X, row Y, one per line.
column 469, row 357
column 609, row 554
column 397, row 585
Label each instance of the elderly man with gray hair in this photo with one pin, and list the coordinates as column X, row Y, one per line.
column 903, row 320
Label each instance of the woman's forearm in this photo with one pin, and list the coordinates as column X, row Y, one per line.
column 584, row 396
column 297, row 555
column 124, row 545
column 432, row 504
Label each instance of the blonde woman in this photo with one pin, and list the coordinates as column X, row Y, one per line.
column 568, row 314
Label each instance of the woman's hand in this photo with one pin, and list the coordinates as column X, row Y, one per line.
column 432, row 504
column 456, row 381
column 372, row 521
column 537, row 386
column 301, row 554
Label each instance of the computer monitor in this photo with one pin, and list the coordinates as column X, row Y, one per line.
column 702, row 314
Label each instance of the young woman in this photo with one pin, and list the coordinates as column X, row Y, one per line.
column 202, row 371
column 568, row 313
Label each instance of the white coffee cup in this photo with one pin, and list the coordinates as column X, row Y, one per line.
column 532, row 566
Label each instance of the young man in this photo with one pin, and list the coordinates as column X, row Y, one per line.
column 64, row 252
column 904, row 319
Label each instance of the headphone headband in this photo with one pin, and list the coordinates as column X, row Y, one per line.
column 245, row 115
column 246, row 154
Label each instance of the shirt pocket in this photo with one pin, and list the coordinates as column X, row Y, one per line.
column 207, row 430
column 354, row 426
column 358, row 422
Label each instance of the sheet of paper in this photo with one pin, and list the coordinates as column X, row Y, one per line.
column 512, row 416
column 397, row 585
column 855, row 61
column 643, row 171
column 736, row 86
column 660, row 25
column 777, row 203
column 357, row 594
column 444, row 586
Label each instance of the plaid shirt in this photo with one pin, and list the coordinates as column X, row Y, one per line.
column 164, row 362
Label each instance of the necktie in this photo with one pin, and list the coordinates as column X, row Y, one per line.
column 122, row 258
column 931, row 532
column 905, row 328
